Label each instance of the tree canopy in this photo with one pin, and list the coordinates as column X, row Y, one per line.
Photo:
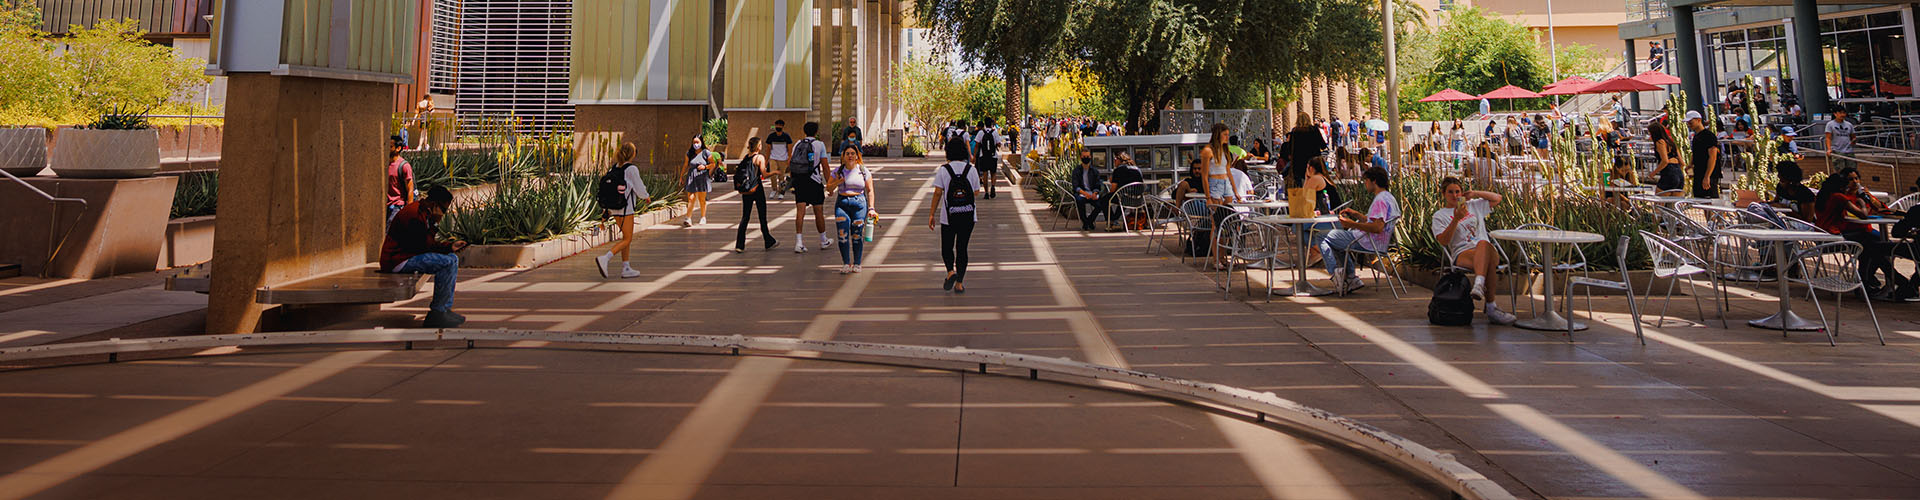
column 1476, row 53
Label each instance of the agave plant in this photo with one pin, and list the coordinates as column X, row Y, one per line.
column 526, row 210
column 197, row 194
column 1760, row 176
column 1419, row 197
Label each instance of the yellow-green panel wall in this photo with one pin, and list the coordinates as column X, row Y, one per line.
column 610, row 44
column 754, row 57
column 799, row 53
column 381, row 35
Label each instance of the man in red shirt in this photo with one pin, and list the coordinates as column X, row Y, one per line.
column 412, row 246
column 399, row 179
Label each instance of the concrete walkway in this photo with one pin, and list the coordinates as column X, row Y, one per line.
column 1699, row 412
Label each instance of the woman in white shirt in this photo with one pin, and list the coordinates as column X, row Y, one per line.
column 1461, row 225
column 954, row 215
column 637, row 198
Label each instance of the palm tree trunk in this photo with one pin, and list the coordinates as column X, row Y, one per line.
column 1353, row 100
column 1016, row 92
column 1320, row 108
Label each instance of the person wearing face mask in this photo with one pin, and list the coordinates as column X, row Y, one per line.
column 700, row 166
column 1088, row 186
column 413, row 246
column 779, row 144
column 852, row 135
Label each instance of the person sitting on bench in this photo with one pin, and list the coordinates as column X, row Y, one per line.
column 413, row 246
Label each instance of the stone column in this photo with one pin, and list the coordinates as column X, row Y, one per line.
column 1806, row 43
column 1633, row 68
column 1686, row 55
column 824, row 41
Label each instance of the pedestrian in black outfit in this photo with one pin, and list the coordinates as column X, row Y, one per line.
column 1303, row 143
column 1706, row 158
column 955, row 184
column 748, row 181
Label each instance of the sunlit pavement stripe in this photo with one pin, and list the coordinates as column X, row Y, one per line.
column 1613, row 463
column 1467, row 384
column 66, row 466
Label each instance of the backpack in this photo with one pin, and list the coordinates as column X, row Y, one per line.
column 613, row 188
column 745, row 175
column 986, row 144
column 1452, row 305
column 802, row 163
column 959, row 190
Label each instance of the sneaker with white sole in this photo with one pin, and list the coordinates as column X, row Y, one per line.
column 1354, row 283
column 602, row 262
column 856, row 268
column 825, row 242
column 703, row 220
column 1497, row 316
column 1479, row 288
column 626, row 271
column 799, row 246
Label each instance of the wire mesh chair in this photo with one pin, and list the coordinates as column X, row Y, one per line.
column 1625, row 285
column 1199, row 218
column 1068, row 202
column 1161, row 213
column 1834, row 267
column 1575, row 261
column 1502, row 265
column 1671, row 261
column 1129, row 202
column 1245, row 241
column 1385, row 258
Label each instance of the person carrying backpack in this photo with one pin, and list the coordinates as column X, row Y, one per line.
column 748, row 180
column 622, row 194
column 955, row 184
column 807, row 169
column 986, row 152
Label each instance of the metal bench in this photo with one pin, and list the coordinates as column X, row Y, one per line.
column 359, row 285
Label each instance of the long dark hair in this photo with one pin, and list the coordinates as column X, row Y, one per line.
column 956, row 149
column 1836, row 183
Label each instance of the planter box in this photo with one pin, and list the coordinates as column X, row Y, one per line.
column 106, row 154
column 536, row 254
column 189, row 241
column 1642, row 281
column 23, row 151
column 120, row 230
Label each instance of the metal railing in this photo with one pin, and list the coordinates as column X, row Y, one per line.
column 1644, row 10
column 53, row 220
column 1410, row 456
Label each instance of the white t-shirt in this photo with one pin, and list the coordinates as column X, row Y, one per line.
column 941, row 178
column 1384, row 207
column 1471, row 231
column 636, row 189
column 1242, row 184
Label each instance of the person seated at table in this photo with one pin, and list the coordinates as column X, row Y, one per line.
column 1841, row 197
column 1089, row 190
column 1621, row 175
column 1417, row 153
column 1461, row 225
column 1366, row 230
column 1189, row 183
column 1259, row 152
column 1242, row 182
column 1125, row 172
column 1791, row 193
column 1369, row 159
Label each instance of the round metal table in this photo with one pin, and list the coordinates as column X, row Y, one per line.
column 1785, row 319
column 1547, row 318
column 1304, row 227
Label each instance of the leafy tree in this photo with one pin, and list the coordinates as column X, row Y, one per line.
column 985, row 97
column 27, row 83
column 1012, row 37
column 927, row 91
column 1476, row 52
column 109, row 68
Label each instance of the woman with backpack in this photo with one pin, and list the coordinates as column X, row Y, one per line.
column 852, row 185
column 748, row 180
column 804, row 169
column 699, row 168
column 955, row 184
column 624, row 181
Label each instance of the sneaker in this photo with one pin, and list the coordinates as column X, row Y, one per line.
column 772, row 243
column 602, row 262
column 628, row 272
column 844, row 269
column 687, row 222
column 703, row 220
column 1354, row 283
column 1479, row 288
column 442, row 319
column 1497, row 316
column 825, row 242
column 856, row 268
column 799, row 247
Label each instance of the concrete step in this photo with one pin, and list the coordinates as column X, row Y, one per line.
column 9, row 270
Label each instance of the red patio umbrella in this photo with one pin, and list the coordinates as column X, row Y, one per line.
column 1619, row 84
column 1571, row 80
column 1449, row 95
column 1655, row 77
column 1510, row 92
column 1566, row 89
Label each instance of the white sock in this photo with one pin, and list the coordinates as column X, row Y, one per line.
column 1480, row 281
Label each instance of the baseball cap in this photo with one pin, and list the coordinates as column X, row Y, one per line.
column 1693, row 115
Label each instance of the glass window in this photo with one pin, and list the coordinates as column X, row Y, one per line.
column 1884, row 19
column 1850, row 23
column 1856, row 64
column 1733, row 36
column 1890, row 63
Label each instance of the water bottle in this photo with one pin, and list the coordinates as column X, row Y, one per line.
column 872, row 220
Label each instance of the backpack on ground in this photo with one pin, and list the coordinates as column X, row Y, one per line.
column 803, row 159
column 613, row 188
column 959, row 190
column 745, row 175
column 1452, row 304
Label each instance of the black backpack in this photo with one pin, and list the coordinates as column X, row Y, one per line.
column 959, row 190
column 613, row 188
column 1452, row 304
column 802, row 162
column 745, row 175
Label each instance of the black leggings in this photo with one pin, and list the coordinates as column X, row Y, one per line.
column 953, row 244
column 1876, row 255
column 748, row 203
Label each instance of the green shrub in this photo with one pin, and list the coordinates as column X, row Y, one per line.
column 197, row 195
column 1419, row 196
column 713, row 132
column 526, row 210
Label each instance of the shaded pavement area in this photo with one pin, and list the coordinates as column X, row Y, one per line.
column 1700, row 411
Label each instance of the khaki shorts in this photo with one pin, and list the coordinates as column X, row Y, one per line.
column 776, row 167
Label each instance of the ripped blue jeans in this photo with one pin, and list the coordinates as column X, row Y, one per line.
column 850, row 215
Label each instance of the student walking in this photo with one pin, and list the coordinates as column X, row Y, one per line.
column 413, row 246
column 954, row 186
column 637, row 197
column 807, row 169
column 779, row 145
column 986, row 151
column 701, row 164
column 852, row 185
column 748, row 180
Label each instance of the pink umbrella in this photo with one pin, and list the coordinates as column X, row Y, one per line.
column 1655, row 77
column 1510, row 92
column 1566, row 89
column 1619, row 84
column 1571, row 80
column 1449, row 95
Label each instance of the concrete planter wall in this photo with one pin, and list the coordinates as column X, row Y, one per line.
column 1642, row 281
column 120, row 231
column 106, row 154
column 189, row 241
column 531, row 255
column 23, row 151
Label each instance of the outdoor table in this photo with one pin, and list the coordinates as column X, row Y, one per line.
column 1888, row 220
column 1259, row 206
column 1304, row 226
column 1780, row 238
column 1627, row 189
column 1547, row 318
column 1719, row 215
column 1674, row 199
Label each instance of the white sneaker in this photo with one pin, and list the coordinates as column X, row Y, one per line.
column 856, row 268
column 1479, row 288
column 1497, row 316
column 687, row 222
column 602, row 262
column 844, row 269
column 799, row 246
column 626, row 271
column 825, row 242
column 1354, row 283
column 703, row 220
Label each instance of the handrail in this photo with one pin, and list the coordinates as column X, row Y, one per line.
column 1413, row 457
column 62, row 243
column 1855, row 159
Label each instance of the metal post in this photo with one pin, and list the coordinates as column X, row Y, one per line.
column 1633, row 69
column 1393, row 83
column 1806, row 41
column 1686, row 56
column 1553, row 50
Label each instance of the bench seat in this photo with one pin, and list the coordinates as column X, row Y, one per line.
column 361, row 285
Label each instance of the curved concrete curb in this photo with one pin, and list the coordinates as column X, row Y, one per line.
column 1441, row 468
